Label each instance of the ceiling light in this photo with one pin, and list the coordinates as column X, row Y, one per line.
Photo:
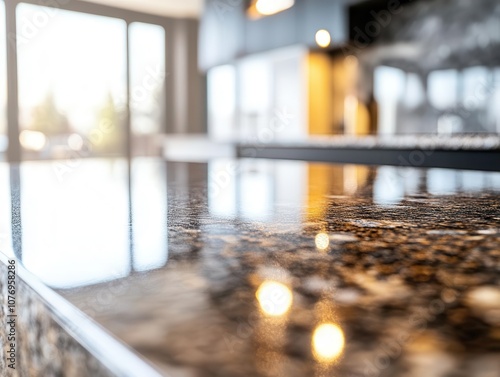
column 269, row 7
column 323, row 38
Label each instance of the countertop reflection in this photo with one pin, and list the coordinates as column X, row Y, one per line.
column 271, row 268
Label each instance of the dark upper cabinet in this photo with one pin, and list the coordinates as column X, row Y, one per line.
column 322, row 14
column 271, row 32
column 226, row 32
column 222, row 28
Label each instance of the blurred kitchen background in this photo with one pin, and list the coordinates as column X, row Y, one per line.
column 381, row 82
column 185, row 78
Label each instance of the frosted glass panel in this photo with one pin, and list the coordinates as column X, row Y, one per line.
column 222, row 102
column 443, row 87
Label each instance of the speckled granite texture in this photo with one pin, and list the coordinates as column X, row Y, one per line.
column 408, row 288
column 44, row 349
column 414, row 141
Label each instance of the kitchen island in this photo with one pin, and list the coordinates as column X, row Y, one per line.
column 275, row 268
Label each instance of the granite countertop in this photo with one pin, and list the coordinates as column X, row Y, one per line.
column 274, row 268
column 458, row 142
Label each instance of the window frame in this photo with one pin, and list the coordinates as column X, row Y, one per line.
column 14, row 151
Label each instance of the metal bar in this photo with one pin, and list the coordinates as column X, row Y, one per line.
column 14, row 150
column 129, row 152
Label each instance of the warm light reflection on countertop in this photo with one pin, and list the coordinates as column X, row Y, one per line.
column 328, row 342
column 205, row 293
column 322, row 241
column 275, row 299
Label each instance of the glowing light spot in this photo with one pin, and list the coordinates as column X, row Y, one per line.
column 322, row 241
column 75, row 142
column 275, row 299
column 323, row 38
column 328, row 342
column 32, row 140
column 269, row 7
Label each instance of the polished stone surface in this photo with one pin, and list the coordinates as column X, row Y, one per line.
column 42, row 347
column 272, row 268
column 465, row 142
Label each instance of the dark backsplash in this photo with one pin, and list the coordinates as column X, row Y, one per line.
column 436, row 65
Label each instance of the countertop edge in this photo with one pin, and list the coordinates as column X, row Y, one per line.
column 112, row 353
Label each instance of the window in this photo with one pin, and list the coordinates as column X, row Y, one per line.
column 222, row 102
column 72, row 102
column 443, row 87
column 147, row 89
